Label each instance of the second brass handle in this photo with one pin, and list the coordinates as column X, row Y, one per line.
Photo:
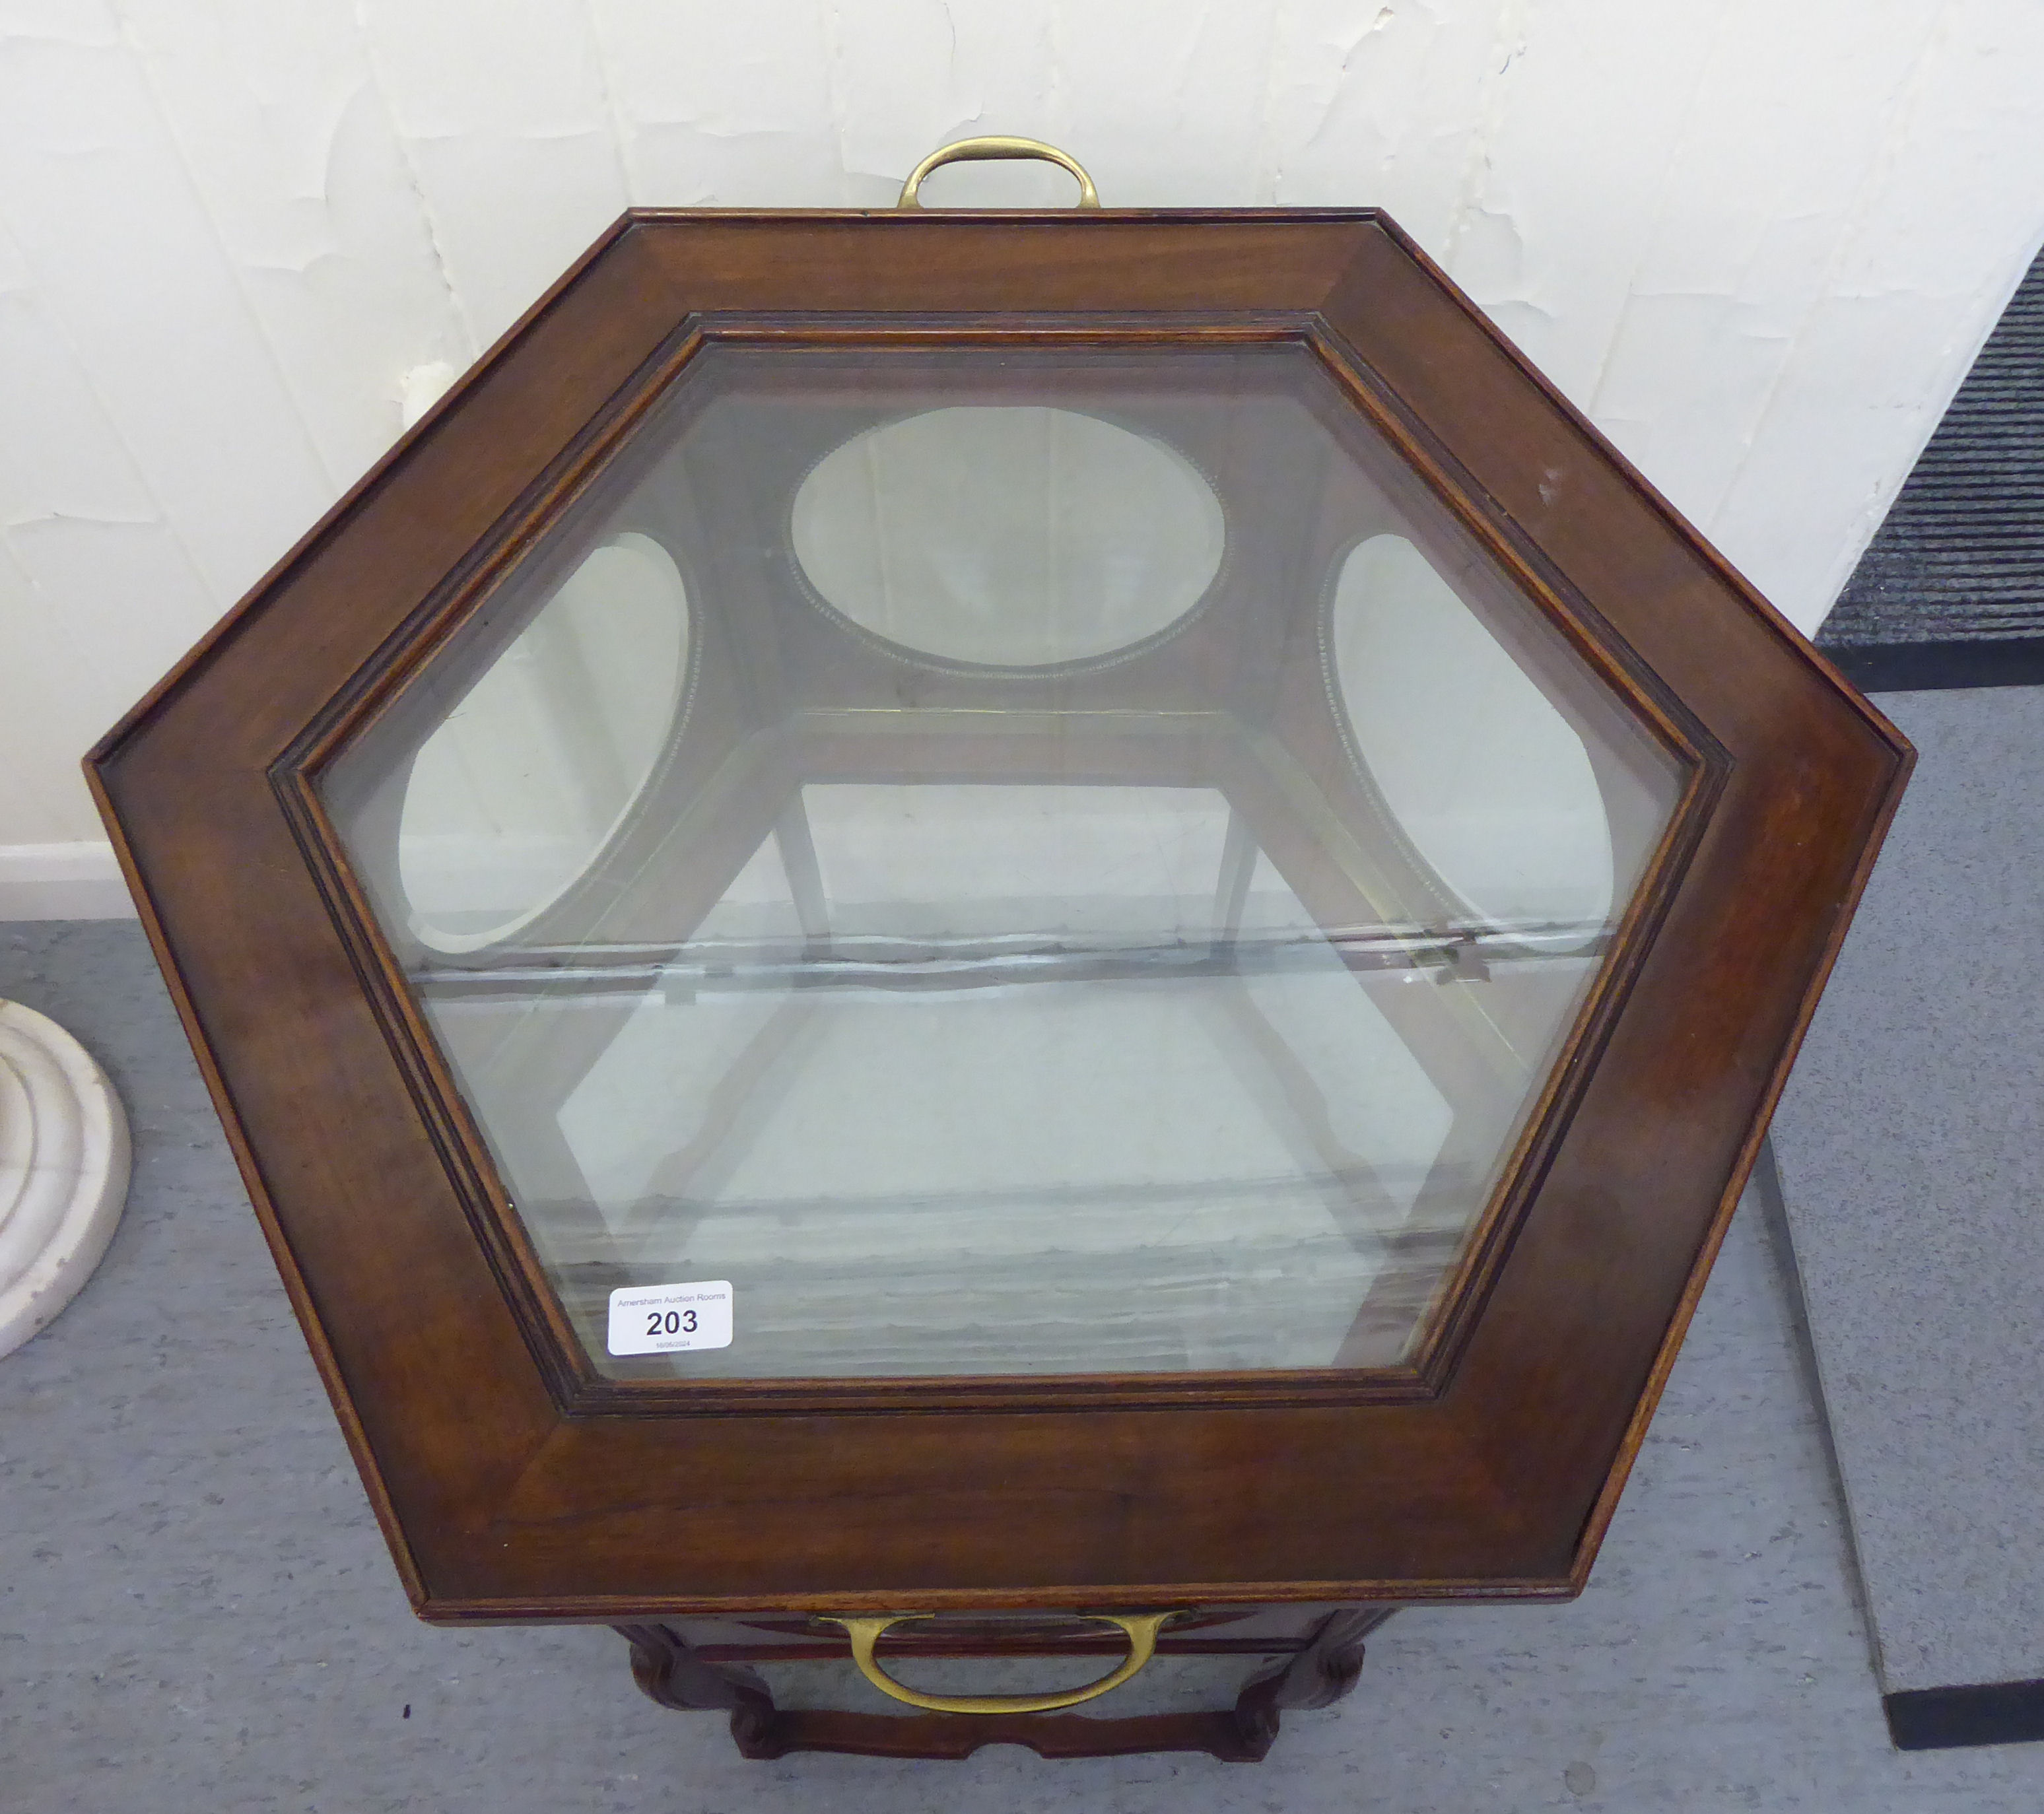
column 1141, row 1629
column 986, row 150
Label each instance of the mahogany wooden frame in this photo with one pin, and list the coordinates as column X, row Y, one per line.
column 513, row 1486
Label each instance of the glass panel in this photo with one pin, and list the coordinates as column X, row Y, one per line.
column 519, row 786
column 1483, row 772
column 1014, row 536
column 1170, row 1159
column 1102, row 876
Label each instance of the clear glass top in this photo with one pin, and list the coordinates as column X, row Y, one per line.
column 1002, row 860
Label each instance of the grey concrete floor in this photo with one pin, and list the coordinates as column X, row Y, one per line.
column 1911, row 1143
column 197, row 1613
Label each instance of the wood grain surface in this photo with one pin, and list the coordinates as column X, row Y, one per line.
column 514, row 1485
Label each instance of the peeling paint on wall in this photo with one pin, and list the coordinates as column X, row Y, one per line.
column 1759, row 245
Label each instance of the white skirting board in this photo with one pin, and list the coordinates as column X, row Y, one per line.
column 63, row 881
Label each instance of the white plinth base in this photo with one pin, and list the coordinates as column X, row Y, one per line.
column 63, row 1169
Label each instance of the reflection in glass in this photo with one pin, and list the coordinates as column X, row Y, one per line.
column 1017, row 1013
column 1479, row 766
column 520, row 784
column 1014, row 536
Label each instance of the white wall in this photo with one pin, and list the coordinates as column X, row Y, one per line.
column 1759, row 243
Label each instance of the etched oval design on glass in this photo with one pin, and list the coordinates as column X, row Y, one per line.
column 1485, row 776
column 1008, row 536
column 524, row 782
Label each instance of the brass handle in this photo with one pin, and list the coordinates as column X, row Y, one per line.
column 986, row 150
column 1141, row 1629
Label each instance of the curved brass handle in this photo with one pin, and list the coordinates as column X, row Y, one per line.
column 1140, row 1627
column 986, row 150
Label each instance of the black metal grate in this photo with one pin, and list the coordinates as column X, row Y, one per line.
column 1950, row 592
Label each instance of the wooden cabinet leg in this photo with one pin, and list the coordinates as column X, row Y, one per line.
column 1318, row 1676
column 669, row 1672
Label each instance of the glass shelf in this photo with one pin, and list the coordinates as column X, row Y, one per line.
column 1016, row 861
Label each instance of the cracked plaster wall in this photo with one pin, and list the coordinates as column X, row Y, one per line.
column 1759, row 244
